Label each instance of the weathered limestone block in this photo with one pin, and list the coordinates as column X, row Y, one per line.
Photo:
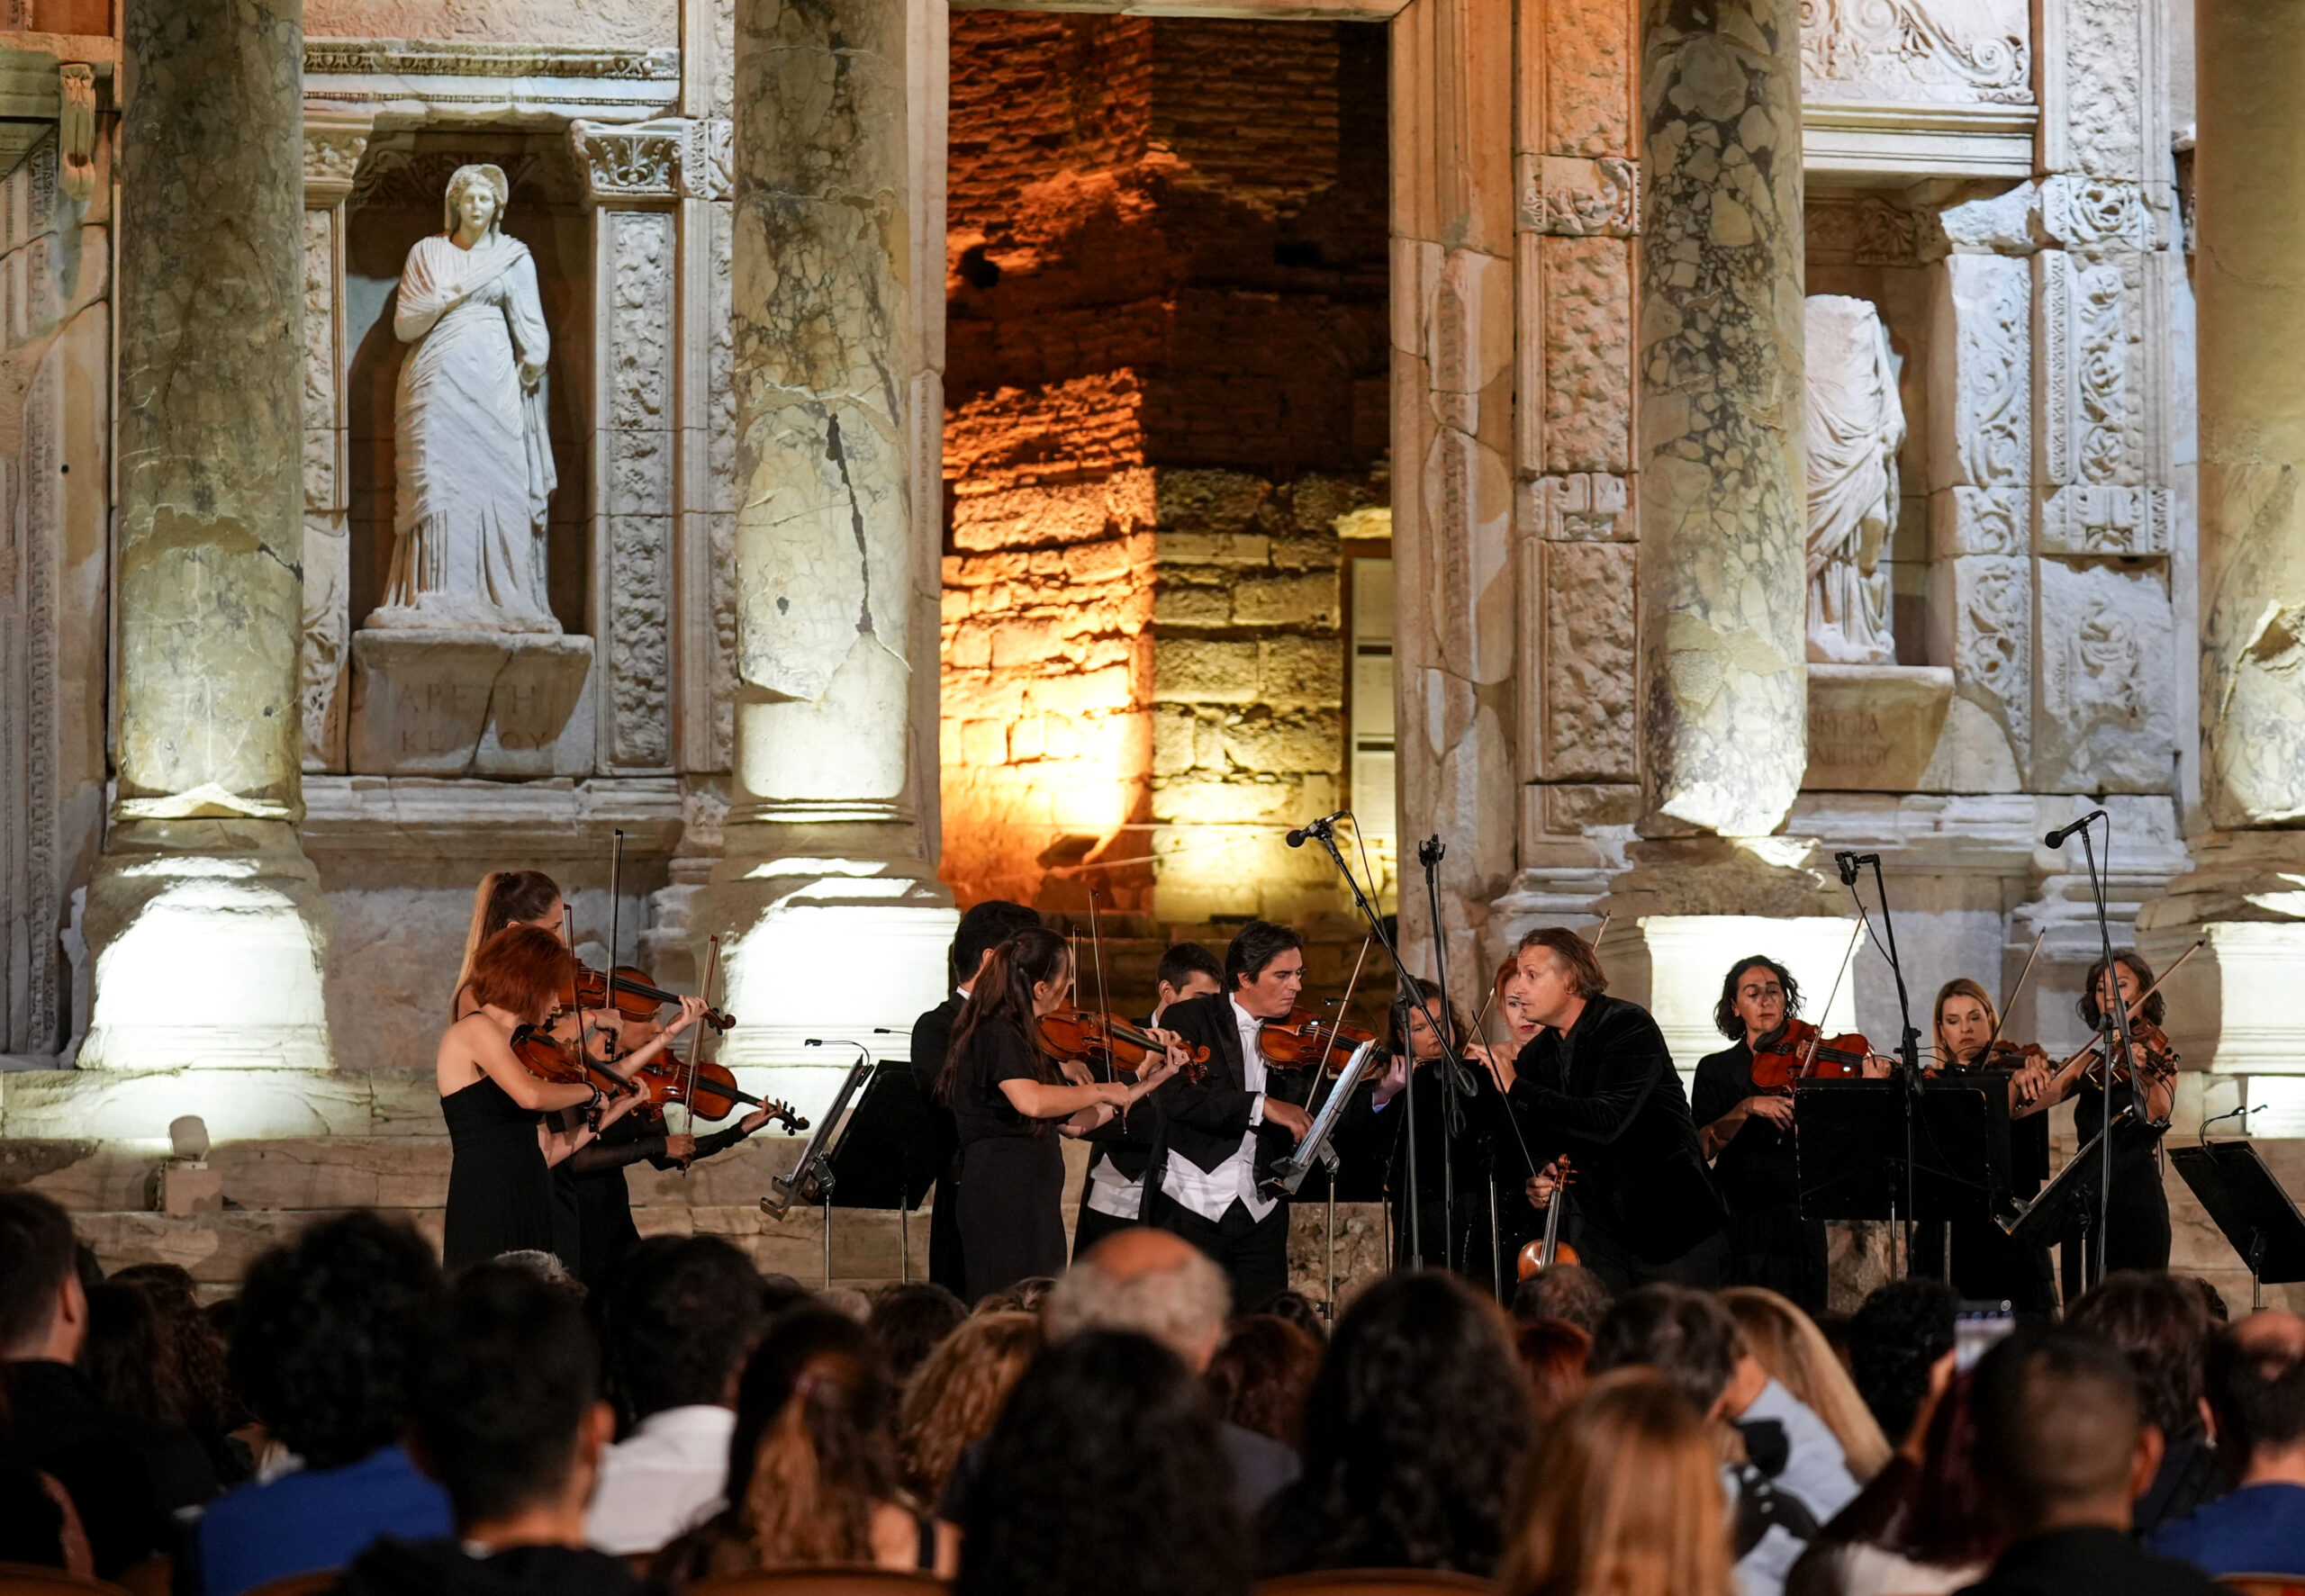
column 2104, row 641
column 1981, row 624
column 1906, row 51
column 1589, row 78
column 1586, row 328
column 1589, row 663
column 497, row 704
column 1723, row 515
column 1581, row 507
column 1876, row 728
column 2102, row 72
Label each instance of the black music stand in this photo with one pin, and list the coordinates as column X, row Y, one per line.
column 2066, row 1208
column 887, row 1155
column 1850, row 1149
column 2249, row 1205
column 813, row 1178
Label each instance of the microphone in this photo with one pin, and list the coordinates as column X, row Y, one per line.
column 1318, row 828
column 2064, row 833
column 1848, row 862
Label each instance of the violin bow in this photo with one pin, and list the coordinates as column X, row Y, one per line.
column 1817, row 1036
column 696, row 1043
column 1321, row 1069
column 2134, row 1004
column 2000, row 1014
column 1097, row 953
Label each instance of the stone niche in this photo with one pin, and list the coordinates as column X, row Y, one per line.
column 468, row 703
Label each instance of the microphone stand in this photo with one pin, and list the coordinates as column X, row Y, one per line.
column 1324, row 833
column 2112, row 1022
column 1909, row 1047
column 1429, row 854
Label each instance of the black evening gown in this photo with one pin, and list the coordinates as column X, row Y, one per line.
column 500, row 1191
column 1012, row 1169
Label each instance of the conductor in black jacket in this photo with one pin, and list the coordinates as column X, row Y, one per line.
column 1597, row 1085
column 983, row 929
column 1220, row 1136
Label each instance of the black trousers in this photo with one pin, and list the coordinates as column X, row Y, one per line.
column 2140, row 1218
column 1704, row 1266
column 1093, row 1227
column 1253, row 1253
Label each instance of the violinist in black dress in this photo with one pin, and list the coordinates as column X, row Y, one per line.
column 1011, row 1100
column 1987, row 1264
column 1597, row 1085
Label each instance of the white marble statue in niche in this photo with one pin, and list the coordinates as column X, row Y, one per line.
column 473, row 458
column 1855, row 425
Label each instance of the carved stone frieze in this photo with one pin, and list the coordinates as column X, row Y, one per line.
column 76, row 130
column 1908, row 50
column 326, row 621
column 2087, row 421
column 1981, row 378
column 1571, row 196
column 401, row 179
column 1981, row 619
column 1999, row 224
column 484, row 59
column 641, row 162
column 2102, row 650
column 708, row 157
column 1863, row 230
column 2104, row 519
column 637, row 486
column 1580, row 507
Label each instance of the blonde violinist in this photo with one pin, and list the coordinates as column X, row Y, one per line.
column 1986, row 1265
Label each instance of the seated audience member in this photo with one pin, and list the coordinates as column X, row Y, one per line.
column 2257, row 1389
column 1923, row 1527
column 911, row 1321
column 1260, row 1375
column 1787, row 1343
column 678, row 1317
column 2063, row 1450
column 1026, row 1296
column 508, row 1418
column 196, row 1354
column 1793, row 1478
column 956, row 1395
column 127, row 1478
column 1566, row 1291
column 848, row 1301
column 39, row 1525
column 1160, row 1286
column 330, row 1333
column 2158, row 1322
column 1415, row 1431
column 813, row 1468
column 1894, row 1338
column 1302, row 1311
column 1628, row 1499
column 1553, row 1355
column 1105, row 1477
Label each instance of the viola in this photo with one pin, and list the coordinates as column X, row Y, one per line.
column 630, row 992
column 1798, row 1051
column 547, row 1057
column 1543, row 1253
column 1304, row 1040
column 1109, row 1042
column 708, row 1089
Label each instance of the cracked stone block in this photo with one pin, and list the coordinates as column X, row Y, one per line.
column 511, row 706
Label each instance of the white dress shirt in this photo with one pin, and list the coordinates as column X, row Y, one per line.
column 663, row 1479
column 1210, row 1191
column 1110, row 1192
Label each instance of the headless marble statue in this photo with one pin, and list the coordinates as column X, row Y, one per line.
column 1855, row 425
column 475, row 467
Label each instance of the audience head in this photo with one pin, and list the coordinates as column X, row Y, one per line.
column 1895, row 1339
column 2061, row 1438
column 1787, row 1343
column 1553, row 1355
column 1949, row 1518
column 957, row 1395
column 813, row 1452
column 1414, row 1430
column 1627, row 1501
column 1568, row 1291
column 1024, row 1296
column 2158, row 1322
column 330, row 1335
column 778, row 1291
column 126, row 1360
column 2257, row 1389
column 677, row 1320
column 984, row 927
column 43, row 1307
column 910, row 1321
column 1261, row 1371
column 1148, row 1281
column 1302, row 1311
column 2212, row 1302
column 1104, row 1477
column 507, row 1415
column 1683, row 1335
column 848, row 1300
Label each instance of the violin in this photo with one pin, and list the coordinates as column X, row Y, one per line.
column 1112, row 1044
column 630, row 992
column 1543, row 1254
column 1306, row 1041
column 1799, row 1051
column 708, row 1090
column 547, row 1057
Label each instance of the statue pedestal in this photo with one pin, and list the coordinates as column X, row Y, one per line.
column 509, row 705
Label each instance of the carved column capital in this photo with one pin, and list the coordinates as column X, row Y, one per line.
column 631, row 164
column 333, row 147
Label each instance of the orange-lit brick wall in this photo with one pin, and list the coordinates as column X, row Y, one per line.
column 1166, row 316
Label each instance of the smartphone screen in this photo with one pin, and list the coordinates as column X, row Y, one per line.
column 1977, row 1326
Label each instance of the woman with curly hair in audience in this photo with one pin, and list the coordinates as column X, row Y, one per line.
column 1413, row 1432
column 1629, row 1501
column 1260, row 1374
column 957, row 1393
column 812, row 1467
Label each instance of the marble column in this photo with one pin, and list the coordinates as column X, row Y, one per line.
column 205, row 919
column 2231, row 1010
column 1724, row 514
column 833, row 915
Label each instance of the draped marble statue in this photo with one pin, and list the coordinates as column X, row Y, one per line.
column 474, row 466
column 1855, row 425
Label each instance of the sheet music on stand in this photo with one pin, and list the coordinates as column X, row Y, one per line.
column 1314, row 1149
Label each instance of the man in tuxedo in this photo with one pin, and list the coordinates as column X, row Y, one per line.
column 1221, row 1135
column 1597, row 1084
column 983, row 929
column 1123, row 1146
